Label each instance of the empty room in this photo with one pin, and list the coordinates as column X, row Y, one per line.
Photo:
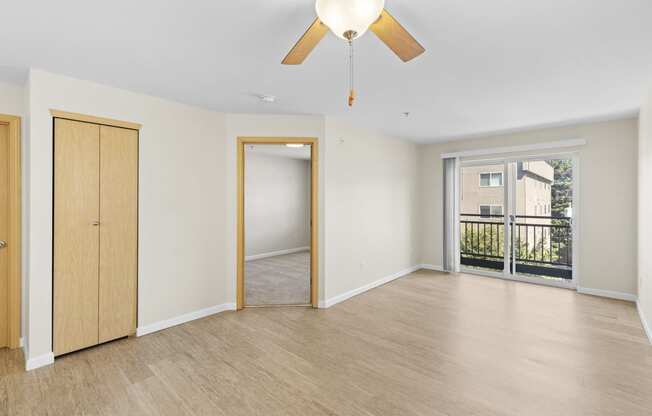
column 326, row 207
column 277, row 199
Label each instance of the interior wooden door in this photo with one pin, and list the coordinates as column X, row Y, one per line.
column 76, row 234
column 118, row 232
column 4, row 234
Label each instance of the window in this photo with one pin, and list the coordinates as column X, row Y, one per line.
column 491, row 179
column 488, row 210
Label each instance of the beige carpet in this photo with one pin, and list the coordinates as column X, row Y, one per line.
column 279, row 280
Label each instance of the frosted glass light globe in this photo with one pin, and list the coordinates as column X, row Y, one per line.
column 343, row 15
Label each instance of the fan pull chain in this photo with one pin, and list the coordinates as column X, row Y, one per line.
column 351, row 85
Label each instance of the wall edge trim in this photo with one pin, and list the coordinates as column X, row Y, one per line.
column 561, row 144
column 181, row 319
column 365, row 288
column 433, row 267
column 39, row 361
column 630, row 297
column 646, row 326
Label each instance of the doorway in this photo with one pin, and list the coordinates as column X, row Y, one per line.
column 277, row 222
column 518, row 219
column 10, row 228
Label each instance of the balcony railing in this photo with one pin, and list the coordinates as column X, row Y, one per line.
column 542, row 245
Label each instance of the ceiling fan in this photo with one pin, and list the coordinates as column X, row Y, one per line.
column 350, row 19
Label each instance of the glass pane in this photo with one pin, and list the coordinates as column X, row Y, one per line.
column 482, row 231
column 542, row 233
column 497, row 179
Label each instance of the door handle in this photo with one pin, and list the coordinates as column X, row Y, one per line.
column 3, row 244
column 95, row 223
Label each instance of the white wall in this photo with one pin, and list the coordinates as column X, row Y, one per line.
column 187, row 202
column 12, row 99
column 644, row 210
column 277, row 203
column 608, row 195
column 371, row 207
column 182, row 208
column 367, row 213
column 379, row 198
column 367, row 198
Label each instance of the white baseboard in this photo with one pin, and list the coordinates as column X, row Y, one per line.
column 607, row 294
column 644, row 321
column 346, row 295
column 40, row 361
column 47, row 359
column 431, row 267
column 160, row 325
column 276, row 253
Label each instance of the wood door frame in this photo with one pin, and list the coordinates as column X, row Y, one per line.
column 95, row 120
column 314, row 208
column 15, row 230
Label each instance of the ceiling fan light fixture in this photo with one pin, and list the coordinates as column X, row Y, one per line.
column 349, row 19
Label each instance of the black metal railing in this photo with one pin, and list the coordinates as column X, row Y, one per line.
column 542, row 245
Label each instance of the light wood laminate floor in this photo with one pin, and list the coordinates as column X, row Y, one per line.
column 278, row 280
column 427, row 344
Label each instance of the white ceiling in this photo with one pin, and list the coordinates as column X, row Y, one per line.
column 489, row 65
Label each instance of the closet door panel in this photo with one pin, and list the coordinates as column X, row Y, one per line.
column 118, row 232
column 76, row 235
column 4, row 234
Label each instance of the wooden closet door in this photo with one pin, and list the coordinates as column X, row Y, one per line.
column 76, row 234
column 4, row 234
column 118, row 232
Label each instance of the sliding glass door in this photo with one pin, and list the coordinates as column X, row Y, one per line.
column 516, row 219
column 541, row 224
column 483, row 210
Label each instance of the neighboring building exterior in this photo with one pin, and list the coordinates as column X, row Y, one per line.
column 482, row 194
column 542, row 245
column 482, row 189
column 534, row 188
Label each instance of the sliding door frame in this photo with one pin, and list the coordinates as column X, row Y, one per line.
column 14, row 290
column 509, row 189
column 314, row 205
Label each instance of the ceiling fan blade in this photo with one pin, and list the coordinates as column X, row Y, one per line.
column 390, row 31
column 306, row 44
